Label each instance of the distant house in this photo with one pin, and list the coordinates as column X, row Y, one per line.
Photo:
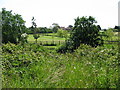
column 64, row 28
column 68, row 28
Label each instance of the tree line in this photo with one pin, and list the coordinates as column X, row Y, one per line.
column 13, row 26
column 84, row 31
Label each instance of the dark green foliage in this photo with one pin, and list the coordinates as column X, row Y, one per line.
column 55, row 27
column 40, row 30
column 84, row 31
column 70, row 26
column 67, row 47
column 12, row 27
column 29, row 31
column 117, row 27
column 44, row 30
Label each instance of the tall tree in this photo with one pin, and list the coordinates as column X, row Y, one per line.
column 35, row 29
column 12, row 27
column 55, row 27
column 84, row 31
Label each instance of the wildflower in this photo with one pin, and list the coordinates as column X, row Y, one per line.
column 74, row 67
column 102, row 51
column 24, row 35
column 88, row 63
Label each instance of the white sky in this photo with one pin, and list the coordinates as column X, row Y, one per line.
column 63, row 12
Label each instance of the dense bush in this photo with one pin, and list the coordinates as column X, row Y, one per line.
column 12, row 27
column 84, row 31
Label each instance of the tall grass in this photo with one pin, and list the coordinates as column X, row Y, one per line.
column 33, row 66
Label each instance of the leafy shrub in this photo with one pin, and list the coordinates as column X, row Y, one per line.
column 62, row 33
column 12, row 27
column 18, row 55
column 67, row 47
column 84, row 32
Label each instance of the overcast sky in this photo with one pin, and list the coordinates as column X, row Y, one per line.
column 64, row 12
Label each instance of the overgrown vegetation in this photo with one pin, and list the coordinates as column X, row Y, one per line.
column 85, row 61
column 33, row 66
column 84, row 31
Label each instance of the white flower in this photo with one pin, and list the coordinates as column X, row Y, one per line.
column 102, row 51
column 74, row 67
column 24, row 35
column 101, row 31
column 89, row 63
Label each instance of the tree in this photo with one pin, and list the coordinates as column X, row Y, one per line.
column 84, row 31
column 70, row 27
column 117, row 28
column 62, row 33
column 55, row 27
column 35, row 29
column 13, row 26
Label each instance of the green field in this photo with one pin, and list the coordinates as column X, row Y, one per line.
column 113, row 36
column 50, row 38
column 46, row 38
